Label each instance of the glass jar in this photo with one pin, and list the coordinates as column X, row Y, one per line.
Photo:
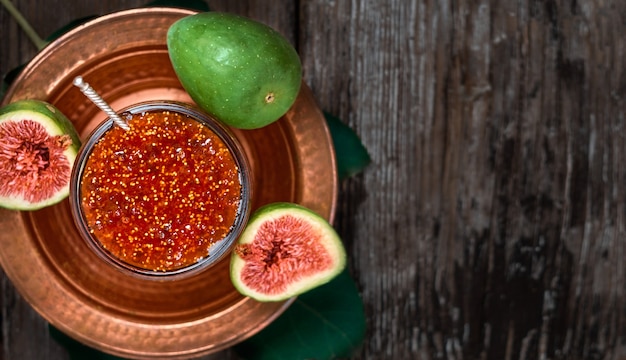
column 166, row 198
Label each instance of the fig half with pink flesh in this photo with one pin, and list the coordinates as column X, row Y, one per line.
column 285, row 250
column 38, row 146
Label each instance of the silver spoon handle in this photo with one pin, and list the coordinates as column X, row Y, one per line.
column 97, row 99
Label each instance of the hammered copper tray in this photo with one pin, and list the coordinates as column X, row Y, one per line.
column 124, row 57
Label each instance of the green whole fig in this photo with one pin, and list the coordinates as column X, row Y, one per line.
column 239, row 70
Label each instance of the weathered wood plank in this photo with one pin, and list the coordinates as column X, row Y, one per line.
column 489, row 225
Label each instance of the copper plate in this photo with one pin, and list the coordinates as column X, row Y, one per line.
column 124, row 57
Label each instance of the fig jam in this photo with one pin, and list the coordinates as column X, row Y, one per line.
column 159, row 195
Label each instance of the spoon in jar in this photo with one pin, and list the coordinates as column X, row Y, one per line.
column 99, row 102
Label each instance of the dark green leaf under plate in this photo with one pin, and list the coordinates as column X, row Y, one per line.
column 199, row 5
column 69, row 27
column 76, row 350
column 352, row 157
column 327, row 322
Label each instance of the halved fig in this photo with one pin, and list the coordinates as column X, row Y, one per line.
column 285, row 250
column 38, row 146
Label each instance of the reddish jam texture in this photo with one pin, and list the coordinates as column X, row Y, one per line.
column 160, row 194
column 32, row 163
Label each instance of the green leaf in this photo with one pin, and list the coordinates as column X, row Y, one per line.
column 185, row 4
column 77, row 350
column 352, row 156
column 56, row 34
column 327, row 322
column 8, row 79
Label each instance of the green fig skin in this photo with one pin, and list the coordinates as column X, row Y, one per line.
column 238, row 70
column 323, row 232
column 55, row 123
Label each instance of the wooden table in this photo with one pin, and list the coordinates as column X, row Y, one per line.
column 491, row 223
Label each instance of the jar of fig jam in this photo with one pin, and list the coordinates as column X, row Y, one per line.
column 167, row 197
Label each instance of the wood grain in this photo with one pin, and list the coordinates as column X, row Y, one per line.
column 491, row 223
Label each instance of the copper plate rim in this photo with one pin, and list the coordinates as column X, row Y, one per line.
column 28, row 268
